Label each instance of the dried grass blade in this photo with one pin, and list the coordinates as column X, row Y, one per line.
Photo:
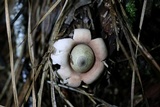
column 53, row 99
column 30, row 40
column 45, row 71
column 41, row 90
column 30, row 88
column 5, row 87
column 63, row 96
column 49, row 11
column 128, row 34
column 25, row 93
column 18, row 69
column 146, row 53
column 59, row 21
column 11, row 54
column 34, row 97
column 141, row 22
column 79, row 91
column 142, row 49
column 133, row 71
column 27, row 87
column 31, row 53
column 132, row 87
column 84, row 93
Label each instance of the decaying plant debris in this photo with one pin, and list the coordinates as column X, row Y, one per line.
column 28, row 78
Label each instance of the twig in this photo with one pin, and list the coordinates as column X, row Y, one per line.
column 11, row 54
column 53, row 99
column 59, row 22
column 141, row 22
column 31, row 52
column 133, row 71
column 63, row 96
column 127, row 32
column 90, row 96
column 49, row 11
column 45, row 72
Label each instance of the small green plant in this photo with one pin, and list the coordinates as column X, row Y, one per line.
column 131, row 10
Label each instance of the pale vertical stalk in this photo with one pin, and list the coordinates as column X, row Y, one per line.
column 33, row 96
column 53, row 99
column 11, row 53
column 141, row 22
column 31, row 53
column 41, row 89
column 30, row 41
column 132, row 87
column 139, row 33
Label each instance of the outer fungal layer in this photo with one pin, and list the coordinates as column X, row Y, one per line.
column 80, row 58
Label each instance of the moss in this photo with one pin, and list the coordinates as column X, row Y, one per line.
column 131, row 10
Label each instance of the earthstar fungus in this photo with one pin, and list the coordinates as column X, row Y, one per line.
column 80, row 58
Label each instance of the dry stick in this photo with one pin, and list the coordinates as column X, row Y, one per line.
column 133, row 71
column 17, row 68
column 26, row 90
column 25, row 93
column 33, row 96
column 134, row 64
column 30, row 40
column 144, row 51
column 138, row 55
column 29, row 83
column 154, row 48
column 59, row 22
column 49, row 11
column 53, row 99
column 32, row 81
column 90, row 17
column 45, row 72
column 78, row 90
column 63, row 96
column 132, row 87
column 54, row 34
column 60, row 93
column 31, row 52
column 140, row 27
column 128, row 32
column 38, row 71
column 5, row 87
column 58, row 89
column 41, row 88
column 138, row 75
column 11, row 53
column 141, row 22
